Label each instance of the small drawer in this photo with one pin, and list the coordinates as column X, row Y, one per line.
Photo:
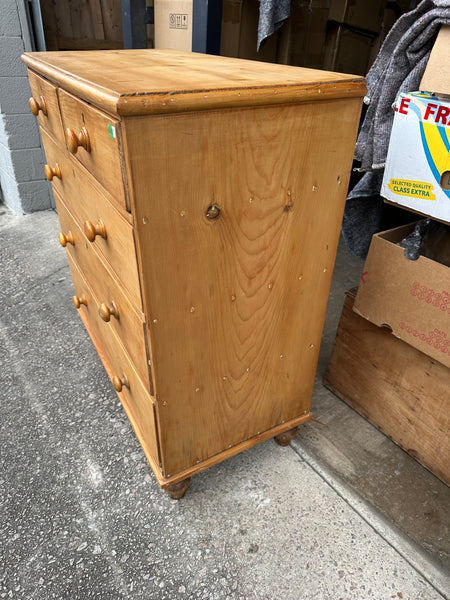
column 94, row 139
column 44, row 105
column 114, row 310
column 135, row 399
column 88, row 204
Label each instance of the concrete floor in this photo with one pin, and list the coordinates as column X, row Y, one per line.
column 340, row 514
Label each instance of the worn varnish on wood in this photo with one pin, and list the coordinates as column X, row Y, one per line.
column 235, row 174
column 137, row 82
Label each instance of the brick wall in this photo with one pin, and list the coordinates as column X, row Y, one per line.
column 23, row 185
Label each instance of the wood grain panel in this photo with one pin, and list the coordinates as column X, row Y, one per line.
column 103, row 160
column 87, row 201
column 49, row 21
column 80, row 18
column 130, row 326
column 134, row 398
column 87, row 44
column 397, row 388
column 112, row 20
column 51, row 122
column 89, row 24
column 236, row 304
column 97, row 19
column 232, row 451
column 137, row 82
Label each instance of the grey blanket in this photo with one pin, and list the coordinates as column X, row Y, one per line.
column 398, row 68
column 272, row 15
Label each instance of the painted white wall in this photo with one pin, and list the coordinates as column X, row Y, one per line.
column 23, row 185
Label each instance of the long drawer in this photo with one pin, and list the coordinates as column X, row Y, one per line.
column 127, row 383
column 90, row 207
column 44, row 105
column 94, row 139
column 112, row 301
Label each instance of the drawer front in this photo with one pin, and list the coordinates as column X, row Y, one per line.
column 44, row 105
column 88, row 205
column 94, row 139
column 133, row 395
column 123, row 318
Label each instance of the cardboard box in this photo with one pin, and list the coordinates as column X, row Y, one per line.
column 231, row 28
column 412, row 298
column 239, row 35
column 417, row 171
column 358, row 13
column 302, row 37
column 436, row 78
column 248, row 39
column 347, row 50
column 400, row 390
column 389, row 18
column 173, row 24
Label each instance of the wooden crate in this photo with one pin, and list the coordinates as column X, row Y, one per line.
column 400, row 390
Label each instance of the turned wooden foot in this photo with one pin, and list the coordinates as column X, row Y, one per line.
column 284, row 438
column 177, row 490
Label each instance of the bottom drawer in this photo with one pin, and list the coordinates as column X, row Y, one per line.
column 133, row 395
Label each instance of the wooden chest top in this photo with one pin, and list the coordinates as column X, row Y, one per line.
column 139, row 82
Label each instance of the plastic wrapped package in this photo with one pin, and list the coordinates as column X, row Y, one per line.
column 429, row 238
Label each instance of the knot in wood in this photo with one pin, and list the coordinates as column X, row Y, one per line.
column 213, row 211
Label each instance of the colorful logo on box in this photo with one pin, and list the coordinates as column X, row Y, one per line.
column 416, row 189
column 434, row 125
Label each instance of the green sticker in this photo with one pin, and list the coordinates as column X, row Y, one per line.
column 112, row 131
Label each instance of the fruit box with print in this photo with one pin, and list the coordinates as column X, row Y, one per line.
column 410, row 297
column 417, row 172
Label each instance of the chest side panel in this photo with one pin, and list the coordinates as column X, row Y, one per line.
column 236, row 303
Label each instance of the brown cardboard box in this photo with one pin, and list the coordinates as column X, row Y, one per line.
column 249, row 35
column 389, row 18
column 347, row 50
column 239, row 33
column 412, row 298
column 231, row 28
column 398, row 389
column 358, row 13
column 302, row 37
column 173, row 24
column 436, row 78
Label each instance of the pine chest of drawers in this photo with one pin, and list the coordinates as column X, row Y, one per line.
column 200, row 201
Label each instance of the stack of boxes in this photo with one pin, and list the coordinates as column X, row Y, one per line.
column 302, row 37
column 335, row 35
column 353, row 30
column 391, row 360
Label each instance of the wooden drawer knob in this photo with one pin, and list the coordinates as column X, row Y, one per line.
column 51, row 172
column 92, row 231
column 37, row 105
column 66, row 238
column 106, row 311
column 75, row 140
column 119, row 382
column 79, row 300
